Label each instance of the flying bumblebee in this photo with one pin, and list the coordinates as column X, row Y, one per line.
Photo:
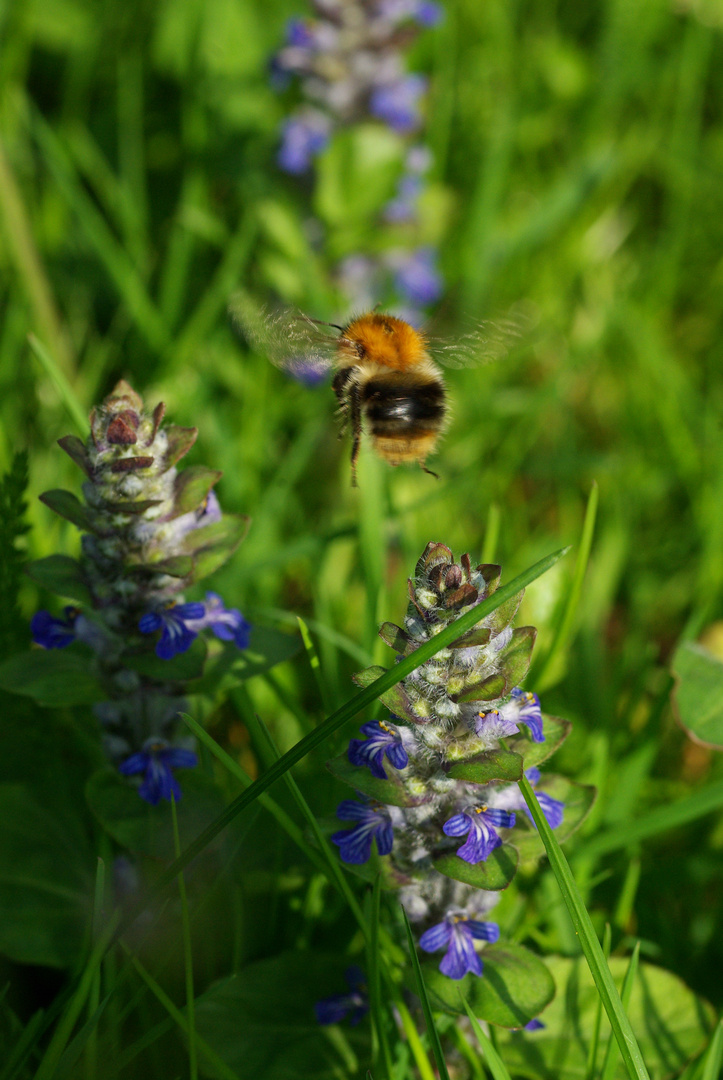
column 385, row 379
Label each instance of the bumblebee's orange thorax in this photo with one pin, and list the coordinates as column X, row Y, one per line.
column 383, row 339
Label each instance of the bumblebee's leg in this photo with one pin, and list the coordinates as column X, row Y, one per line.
column 356, row 428
column 424, row 468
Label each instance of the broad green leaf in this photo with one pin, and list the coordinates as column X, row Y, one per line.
column 671, row 1024
column 52, row 677
column 391, row 791
column 698, row 693
column 578, row 800
column 499, row 764
column 191, row 488
column 489, row 689
column 75, row 448
column 495, row 873
column 532, row 753
column 46, row 880
column 261, row 1022
column 516, row 658
column 62, row 575
column 180, row 441
column 68, row 506
column 357, row 173
column 212, row 545
column 515, row 986
column 146, row 829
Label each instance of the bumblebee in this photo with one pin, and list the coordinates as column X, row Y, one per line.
column 385, row 379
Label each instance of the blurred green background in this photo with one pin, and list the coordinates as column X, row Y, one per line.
column 578, row 170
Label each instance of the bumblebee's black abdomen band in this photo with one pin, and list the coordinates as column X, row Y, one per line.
column 391, row 408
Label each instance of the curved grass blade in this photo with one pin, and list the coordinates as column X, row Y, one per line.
column 595, row 1039
column 427, row 1008
column 496, row 1064
column 610, row 1061
column 599, row 969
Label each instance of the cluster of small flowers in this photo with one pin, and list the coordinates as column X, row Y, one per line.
column 349, row 60
column 450, row 712
column 150, row 531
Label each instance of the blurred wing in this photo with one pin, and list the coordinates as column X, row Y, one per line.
column 490, row 340
column 288, row 338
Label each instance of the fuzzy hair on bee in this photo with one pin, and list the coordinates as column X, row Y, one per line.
column 385, row 379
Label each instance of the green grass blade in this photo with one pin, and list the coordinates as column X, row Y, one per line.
column 187, row 953
column 595, row 1039
column 91, row 1060
column 426, row 1007
column 375, row 998
column 220, row 1068
column 714, row 1055
column 493, row 1059
column 424, row 1067
column 314, row 662
column 65, row 391
column 554, row 664
column 492, row 533
column 658, row 821
column 610, row 1060
column 588, row 940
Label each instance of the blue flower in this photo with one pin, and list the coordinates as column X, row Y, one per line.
column 457, row 934
column 534, row 1025
column 522, row 708
column 355, row 845
column 553, row 809
column 228, row 624
column 397, row 103
column 416, row 276
column 176, row 636
column 302, row 137
column 383, row 739
column 529, row 712
column 54, row 633
column 480, row 822
column 156, row 760
column 355, row 1004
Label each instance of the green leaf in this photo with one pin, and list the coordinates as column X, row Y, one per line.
column 146, row 829
column 181, row 667
column 52, row 677
column 212, row 545
column 180, row 441
column 496, row 764
column 396, row 700
column 191, row 488
column 671, row 1024
column 532, row 753
column 393, row 636
column 62, row 575
column 495, row 873
column 516, row 658
column 75, row 448
column 578, row 800
column 391, row 791
column 261, row 1021
column 231, row 665
column 46, row 880
column 68, row 506
column 514, row 988
column 490, row 689
column 698, row 693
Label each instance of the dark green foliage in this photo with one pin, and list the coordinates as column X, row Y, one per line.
column 13, row 528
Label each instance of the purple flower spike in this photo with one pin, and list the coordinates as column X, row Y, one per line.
column 302, row 137
column 355, row 845
column 480, row 822
column 457, row 934
column 228, row 624
column 382, row 739
column 176, row 636
column 54, row 633
column 156, row 760
column 355, row 1004
column 397, row 103
column 529, row 712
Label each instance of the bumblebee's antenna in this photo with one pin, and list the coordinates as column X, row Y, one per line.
column 320, row 322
